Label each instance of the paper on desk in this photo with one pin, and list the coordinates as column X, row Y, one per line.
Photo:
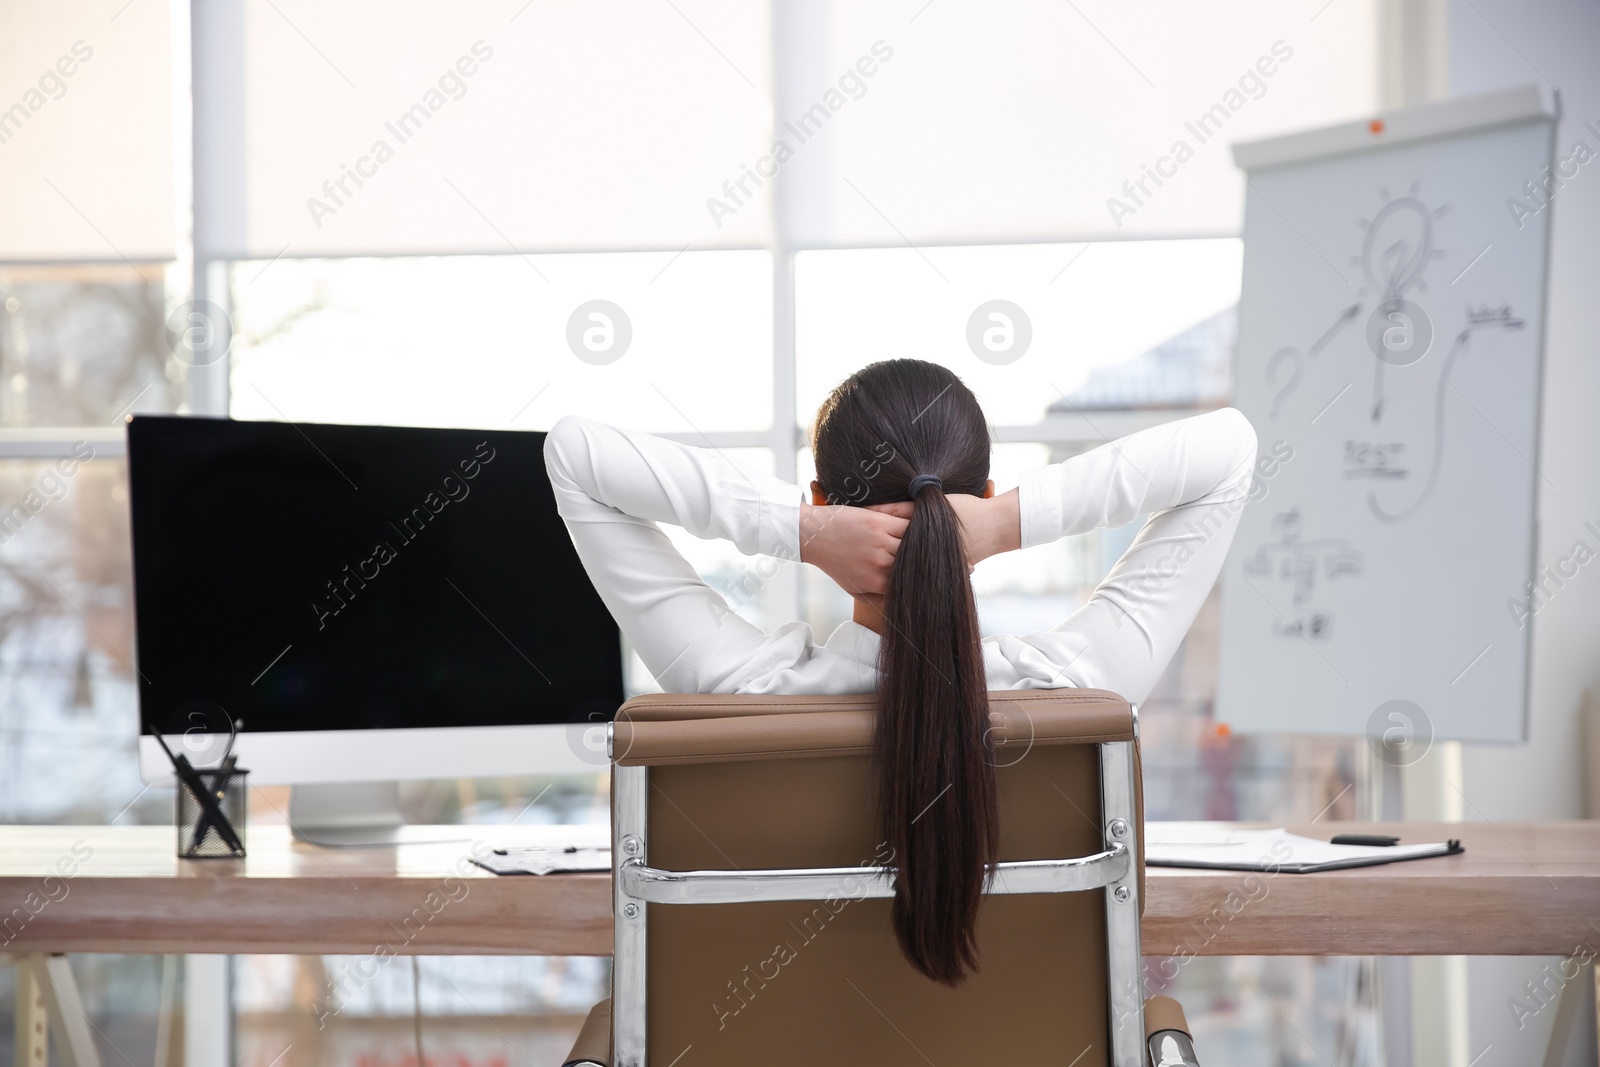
column 1233, row 849
column 545, row 859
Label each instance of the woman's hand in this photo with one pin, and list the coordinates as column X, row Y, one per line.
column 989, row 525
column 854, row 546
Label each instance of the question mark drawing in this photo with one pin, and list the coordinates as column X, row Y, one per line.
column 1296, row 372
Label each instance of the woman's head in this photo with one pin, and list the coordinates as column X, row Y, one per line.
column 892, row 421
column 892, row 427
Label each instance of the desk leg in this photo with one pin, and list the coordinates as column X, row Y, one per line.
column 165, row 1009
column 1394, row 1001
column 52, row 977
column 1568, row 1012
column 31, row 1023
column 207, row 1012
column 1439, row 1029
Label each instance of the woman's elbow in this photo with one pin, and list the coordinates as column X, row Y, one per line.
column 1240, row 431
column 1236, row 440
column 564, row 445
column 1241, row 438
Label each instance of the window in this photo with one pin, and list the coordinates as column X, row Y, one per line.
column 508, row 341
column 693, row 218
column 1020, row 120
column 1025, row 326
column 83, row 96
column 84, row 345
column 367, row 127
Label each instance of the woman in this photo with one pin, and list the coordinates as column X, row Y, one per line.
column 901, row 510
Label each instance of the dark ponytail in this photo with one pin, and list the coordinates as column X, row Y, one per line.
column 888, row 424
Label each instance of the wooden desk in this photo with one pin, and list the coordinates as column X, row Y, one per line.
column 134, row 895
column 1518, row 890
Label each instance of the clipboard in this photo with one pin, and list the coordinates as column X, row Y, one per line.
column 1277, row 850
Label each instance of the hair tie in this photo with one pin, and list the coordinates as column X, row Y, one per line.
column 922, row 481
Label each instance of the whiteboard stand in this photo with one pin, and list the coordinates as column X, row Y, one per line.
column 1391, row 330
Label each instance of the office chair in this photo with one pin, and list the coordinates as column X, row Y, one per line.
column 751, row 896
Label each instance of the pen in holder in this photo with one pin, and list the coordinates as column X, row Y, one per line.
column 201, row 834
column 211, row 804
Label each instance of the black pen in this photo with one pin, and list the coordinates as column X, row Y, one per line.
column 221, row 777
column 233, row 735
column 207, row 800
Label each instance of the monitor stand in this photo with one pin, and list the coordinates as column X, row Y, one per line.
column 359, row 814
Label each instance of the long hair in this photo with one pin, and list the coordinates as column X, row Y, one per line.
column 885, row 425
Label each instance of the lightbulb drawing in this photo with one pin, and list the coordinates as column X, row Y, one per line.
column 1395, row 254
column 1396, row 251
column 1397, row 248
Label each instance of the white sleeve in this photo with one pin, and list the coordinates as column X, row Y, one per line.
column 1193, row 477
column 612, row 486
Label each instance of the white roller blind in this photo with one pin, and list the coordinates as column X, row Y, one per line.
column 86, row 130
column 1074, row 309
column 1020, row 120
column 489, row 126
column 684, row 344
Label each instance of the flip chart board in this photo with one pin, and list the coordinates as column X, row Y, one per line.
column 1389, row 356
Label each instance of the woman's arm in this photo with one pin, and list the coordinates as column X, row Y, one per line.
column 1193, row 478
column 612, row 486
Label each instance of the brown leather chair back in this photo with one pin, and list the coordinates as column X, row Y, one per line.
column 748, row 783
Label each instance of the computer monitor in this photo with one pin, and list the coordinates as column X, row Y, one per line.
column 374, row 603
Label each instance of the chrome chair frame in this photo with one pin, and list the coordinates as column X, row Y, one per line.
column 637, row 885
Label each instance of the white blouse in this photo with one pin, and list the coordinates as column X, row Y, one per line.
column 612, row 486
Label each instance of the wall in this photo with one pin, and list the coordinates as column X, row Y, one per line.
column 1494, row 44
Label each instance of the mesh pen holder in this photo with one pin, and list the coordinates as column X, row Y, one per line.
column 198, row 835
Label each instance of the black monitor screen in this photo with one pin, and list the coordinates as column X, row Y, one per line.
column 314, row 577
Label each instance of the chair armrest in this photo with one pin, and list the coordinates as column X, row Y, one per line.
column 1167, row 1034
column 593, row 1047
